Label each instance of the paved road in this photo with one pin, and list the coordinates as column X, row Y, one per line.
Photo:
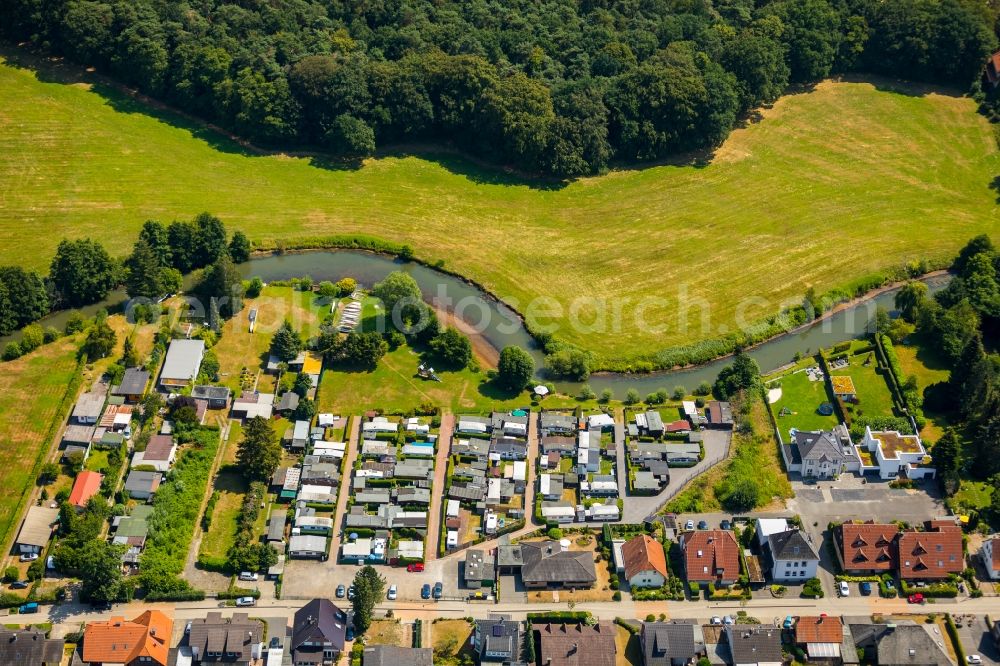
column 68, row 617
column 437, row 490
column 345, row 486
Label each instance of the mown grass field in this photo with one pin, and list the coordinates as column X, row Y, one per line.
column 802, row 397
column 829, row 186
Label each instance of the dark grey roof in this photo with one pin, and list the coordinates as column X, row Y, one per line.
column 499, row 633
column 142, row 481
column 29, row 647
column 545, row 562
column 654, row 422
column 478, row 565
column 899, row 645
column 207, row 392
column 276, row 525
column 319, row 621
column 791, row 545
column 390, row 655
column 663, row 641
column 289, row 400
column 217, row 635
column 509, row 555
column 817, row 445
column 754, row 643
column 556, row 421
column 133, row 382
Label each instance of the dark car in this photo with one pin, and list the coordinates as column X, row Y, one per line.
column 350, row 633
column 866, row 588
column 425, row 591
column 726, row 525
column 702, row 525
column 341, row 591
column 19, row 585
column 275, row 642
column 438, row 590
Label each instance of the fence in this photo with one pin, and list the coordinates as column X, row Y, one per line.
column 690, row 473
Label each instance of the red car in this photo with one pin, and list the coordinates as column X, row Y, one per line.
column 916, row 598
column 415, row 567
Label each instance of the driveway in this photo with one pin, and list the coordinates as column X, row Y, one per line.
column 638, row 507
column 345, row 488
column 304, row 579
column 976, row 637
column 437, row 490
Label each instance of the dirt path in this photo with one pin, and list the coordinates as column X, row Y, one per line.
column 437, row 491
column 345, row 487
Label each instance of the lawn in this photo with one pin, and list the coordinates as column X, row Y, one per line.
column 831, row 185
column 629, row 648
column 919, row 361
column 972, row 495
column 231, row 486
column 874, row 397
column 388, row 632
column 98, row 460
column 802, row 398
column 450, row 641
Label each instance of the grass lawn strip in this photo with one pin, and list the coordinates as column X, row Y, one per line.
column 902, row 171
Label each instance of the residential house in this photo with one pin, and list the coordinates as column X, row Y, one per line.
column 669, row 643
column 473, row 425
column 307, row 546
column 866, row 548
column 181, row 365
column 142, row 485
column 645, row 562
column 414, row 469
column 144, row 641
column 117, row 418
column 300, row 436
column 793, row 559
column 252, row 404
column 765, row 527
column 550, row 486
column 508, row 448
column 646, row 483
column 217, row 396
column 160, row 454
column 234, row 641
column 86, row 485
column 497, row 639
column 36, row 529
column 558, row 512
column 754, row 645
column 471, row 448
column 821, row 454
column 710, row 556
column 391, row 655
column 601, row 421
column 720, row 415
column 412, row 495
column 560, row 444
column 650, row 424
column 133, row 385
column 379, row 425
column 319, row 631
column 820, row 636
column 548, row 565
column 577, row 644
column 682, row 454
column 554, row 423
column 276, row 526
column 88, row 409
column 479, row 569
column 990, row 556
column 894, row 455
column 602, row 485
column 933, row 554
column 289, row 402
column 900, row 643
column 679, row 426
column 29, row 647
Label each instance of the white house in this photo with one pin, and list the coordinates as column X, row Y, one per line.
column 588, row 459
column 793, row 557
column 182, row 362
column 600, row 421
column 520, row 470
column 768, row 526
column 559, row 512
column 379, row 424
column 990, row 554
column 893, row 454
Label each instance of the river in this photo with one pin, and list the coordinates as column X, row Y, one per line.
column 500, row 326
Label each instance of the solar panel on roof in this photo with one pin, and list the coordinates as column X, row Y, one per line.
column 498, row 630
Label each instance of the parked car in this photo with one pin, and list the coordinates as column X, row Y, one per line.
column 19, row 585
column 844, row 589
column 248, row 576
column 415, row 567
column 425, row 591
column 702, row 524
column 974, row 659
column 889, row 585
column 725, row 525
column 275, row 642
column 689, row 525
column 29, row 557
column 392, row 593
column 187, row 628
column 789, row 622
column 716, row 620
column 24, row 609
column 915, row 598
column 350, row 633
column 477, row 595
column 341, row 591
column 728, row 619
column 866, row 588
column 438, row 590
column 350, row 592
column 246, row 601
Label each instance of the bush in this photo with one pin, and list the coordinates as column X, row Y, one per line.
column 10, row 574
column 813, row 588
column 555, row 533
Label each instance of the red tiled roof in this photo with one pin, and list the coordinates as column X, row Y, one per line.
column 719, row 558
column 121, row 641
column 867, row 546
column 87, row 485
column 819, row 630
column 680, row 425
column 643, row 553
column 931, row 554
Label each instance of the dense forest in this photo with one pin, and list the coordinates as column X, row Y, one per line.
column 560, row 87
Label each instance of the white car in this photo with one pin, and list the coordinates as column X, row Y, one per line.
column 716, row 620
column 246, row 601
column 31, row 557
column 689, row 525
column 845, row 589
column 249, row 576
column 974, row 659
column 392, row 593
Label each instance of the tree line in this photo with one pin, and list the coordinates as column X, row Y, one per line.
column 545, row 86
column 82, row 272
column 961, row 326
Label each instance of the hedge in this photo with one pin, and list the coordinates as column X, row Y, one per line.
column 178, row 595
column 237, row 592
column 955, row 640
column 627, row 625
column 936, row 591
column 560, row 617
